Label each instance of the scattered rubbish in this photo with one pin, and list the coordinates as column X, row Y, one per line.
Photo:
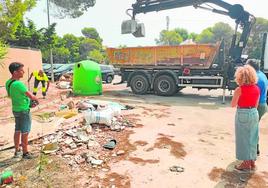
column 6, row 177
column 81, row 142
column 84, row 105
column 176, row 168
column 71, row 105
column 109, row 104
column 66, row 114
column 101, row 117
column 63, row 85
column 45, row 117
column 63, row 106
column 88, row 129
column 50, row 148
column 104, row 113
column 110, row 145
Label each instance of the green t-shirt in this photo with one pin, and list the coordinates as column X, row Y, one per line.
column 20, row 101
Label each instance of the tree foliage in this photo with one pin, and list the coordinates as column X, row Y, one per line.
column 183, row 33
column 71, row 8
column 11, row 14
column 92, row 33
column 88, row 45
column 216, row 33
column 169, row 38
column 222, row 31
column 28, row 35
column 70, row 49
column 3, row 51
column 174, row 37
column 255, row 42
column 96, row 55
column 206, row 36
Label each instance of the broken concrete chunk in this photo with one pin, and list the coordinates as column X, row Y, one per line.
column 78, row 159
column 96, row 162
column 68, row 141
column 105, row 169
column 84, row 138
column 71, row 104
column 120, row 152
column 73, row 146
column 72, row 133
column 92, row 143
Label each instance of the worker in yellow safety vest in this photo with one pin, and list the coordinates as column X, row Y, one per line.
column 39, row 76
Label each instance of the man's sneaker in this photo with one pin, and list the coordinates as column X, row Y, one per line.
column 18, row 154
column 27, row 156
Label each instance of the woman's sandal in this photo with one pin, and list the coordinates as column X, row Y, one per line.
column 245, row 165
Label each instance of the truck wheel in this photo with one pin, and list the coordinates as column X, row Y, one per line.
column 109, row 79
column 165, row 85
column 139, row 84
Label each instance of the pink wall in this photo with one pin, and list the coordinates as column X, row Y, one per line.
column 32, row 60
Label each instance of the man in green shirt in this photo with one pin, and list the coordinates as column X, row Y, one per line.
column 20, row 98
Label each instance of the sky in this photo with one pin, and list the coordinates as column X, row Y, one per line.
column 107, row 15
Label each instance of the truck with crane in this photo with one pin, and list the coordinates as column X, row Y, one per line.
column 164, row 70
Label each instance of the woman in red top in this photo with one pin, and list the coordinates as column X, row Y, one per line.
column 246, row 99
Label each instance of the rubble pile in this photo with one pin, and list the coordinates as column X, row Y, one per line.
column 83, row 143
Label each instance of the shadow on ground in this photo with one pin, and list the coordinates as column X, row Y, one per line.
column 231, row 178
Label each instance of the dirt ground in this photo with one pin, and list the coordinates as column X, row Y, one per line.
column 192, row 130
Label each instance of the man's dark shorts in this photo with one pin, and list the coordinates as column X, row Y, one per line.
column 23, row 121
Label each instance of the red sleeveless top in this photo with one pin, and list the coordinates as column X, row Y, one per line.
column 249, row 96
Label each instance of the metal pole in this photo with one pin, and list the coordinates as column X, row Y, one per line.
column 167, row 19
column 50, row 50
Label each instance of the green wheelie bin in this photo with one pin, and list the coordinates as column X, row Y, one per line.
column 87, row 78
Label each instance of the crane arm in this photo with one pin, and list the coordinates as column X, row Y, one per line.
column 236, row 11
column 144, row 6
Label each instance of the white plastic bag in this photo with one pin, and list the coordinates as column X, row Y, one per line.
column 116, row 110
column 64, row 85
column 101, row 117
